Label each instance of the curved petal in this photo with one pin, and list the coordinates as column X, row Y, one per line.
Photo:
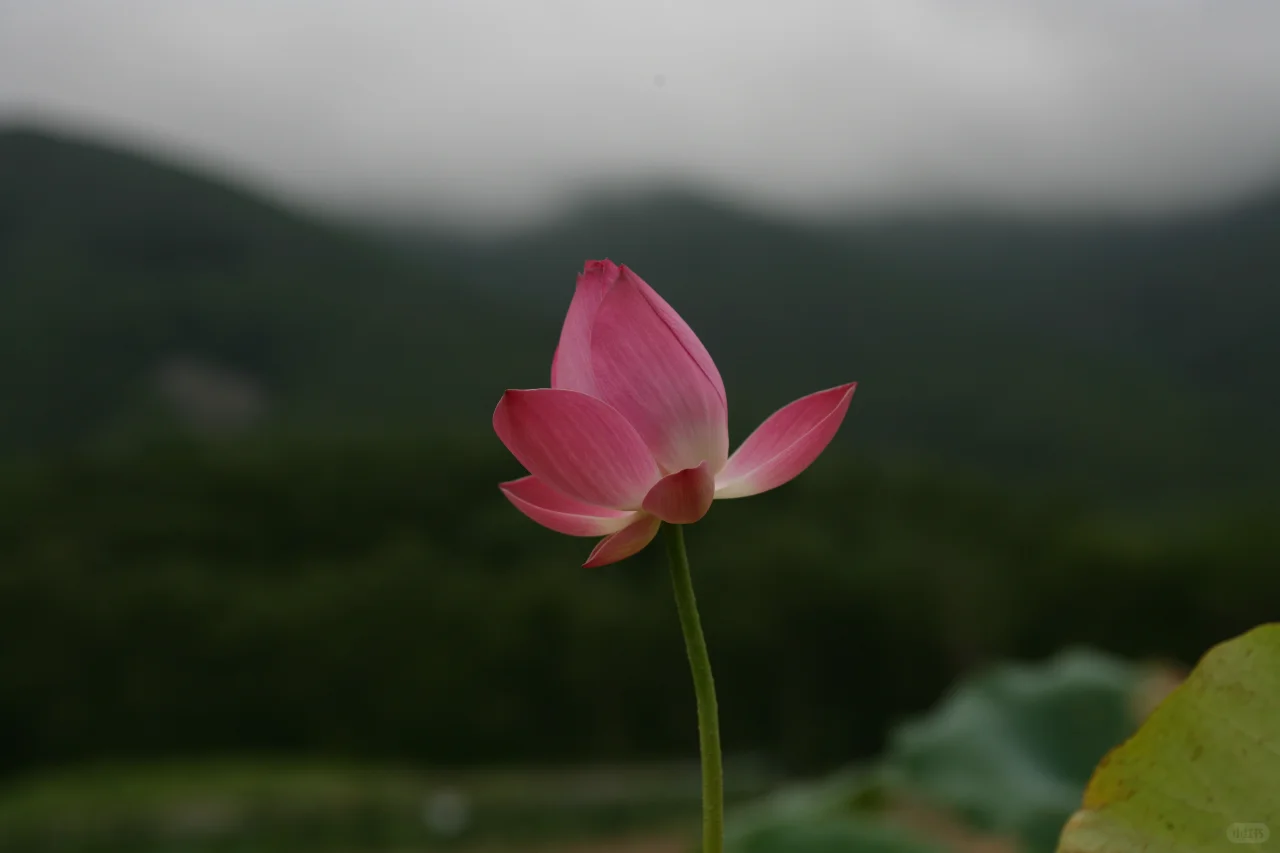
column 627, row 541
column 571, row 364
column 577, row 445
column 649, row 365
column 682, row 497
column 562, row 513
column 785, row 444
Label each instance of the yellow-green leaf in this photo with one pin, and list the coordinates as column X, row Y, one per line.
column 1203, row 773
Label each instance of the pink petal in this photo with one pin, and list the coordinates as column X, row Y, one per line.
column 627, row 541
column 571, row 364
column 785, row 444
column 682, row 497
column 649, row 365
column 561, row 513
column 577, row 445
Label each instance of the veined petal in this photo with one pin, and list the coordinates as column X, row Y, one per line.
column 562, row 513
column 571, row 364
column 785, row 444
column 627, row 541
column 650, row 366
column 682, row 497
column 577, row 445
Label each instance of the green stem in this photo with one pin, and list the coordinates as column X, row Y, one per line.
column 704, row 688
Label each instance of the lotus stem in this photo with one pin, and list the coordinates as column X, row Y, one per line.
column 704, row 688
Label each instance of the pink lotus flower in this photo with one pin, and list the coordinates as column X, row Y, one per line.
column 634, row 428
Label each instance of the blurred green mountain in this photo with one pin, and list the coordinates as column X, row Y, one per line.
column 1133, row 357
column 136, row 296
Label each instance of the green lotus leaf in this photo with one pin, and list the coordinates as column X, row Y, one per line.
column 1203, row 773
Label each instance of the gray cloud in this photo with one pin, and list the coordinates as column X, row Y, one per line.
column 501, row 108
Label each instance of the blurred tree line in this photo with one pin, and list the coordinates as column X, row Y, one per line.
column 378, row 598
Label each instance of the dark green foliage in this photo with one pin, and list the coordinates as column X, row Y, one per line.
column 380, row 599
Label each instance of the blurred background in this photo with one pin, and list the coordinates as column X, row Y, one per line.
column 266, row 268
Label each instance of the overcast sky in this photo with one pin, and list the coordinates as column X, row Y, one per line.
column 503, row 108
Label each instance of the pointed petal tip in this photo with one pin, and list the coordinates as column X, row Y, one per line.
column 506, row 394
column 596, row 278
column 598, row 266
column 502, row 411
